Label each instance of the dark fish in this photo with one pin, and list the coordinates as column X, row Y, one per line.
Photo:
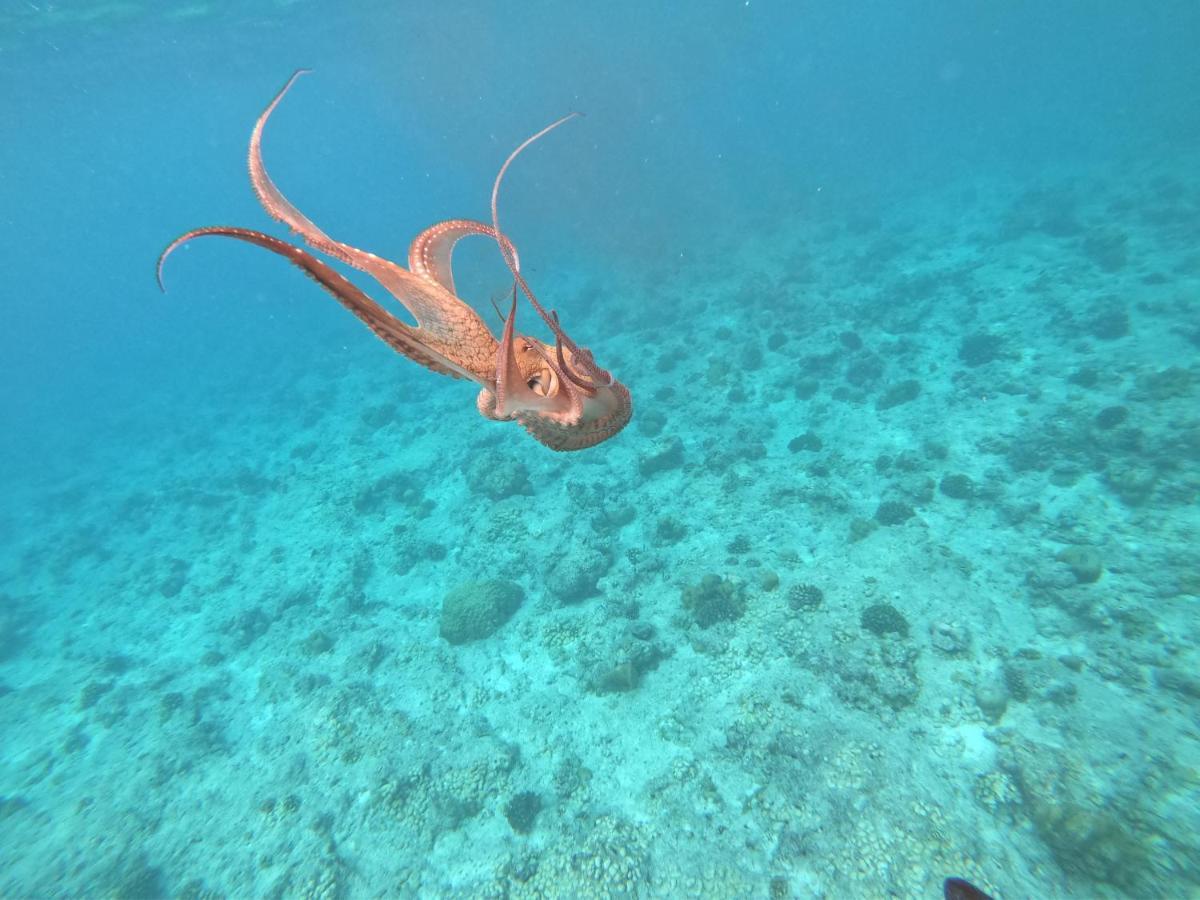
column 958, row 889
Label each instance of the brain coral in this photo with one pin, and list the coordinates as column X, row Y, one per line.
column 474, row 610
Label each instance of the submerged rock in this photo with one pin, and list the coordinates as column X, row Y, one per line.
column 991, row 696
column 950, row 638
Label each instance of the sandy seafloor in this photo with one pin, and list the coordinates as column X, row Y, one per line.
column 220, row 665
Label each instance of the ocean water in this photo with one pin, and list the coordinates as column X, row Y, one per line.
column 893, row 575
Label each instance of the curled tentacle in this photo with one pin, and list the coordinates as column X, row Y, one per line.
column 599, row 377
column 511, row 260
column 431, row 253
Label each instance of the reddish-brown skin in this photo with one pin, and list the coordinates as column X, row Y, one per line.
column 557, row 393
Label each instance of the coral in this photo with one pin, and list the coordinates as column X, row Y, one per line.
column 1110, row 417
column 1117, row 837
column 991, row 696
column 1031, row 677
column 806, row 387
column 750, row 357
column 893, row 512
column 1183, row 683
column 714, row 599
column 805, row 596
column 807, row 441
column 669, row 531
column 669, row 358
column 620, row 679
column 664, row 455
column 612, row 516
column 958, row 486
column 248, row 626
column 918, row 489
column 1085, row 563
column 879, row 678
column 861, row 528
column 950, row 638
column 522, row 810
column 739, row 545
column 136, row 878
column 14, row 624
column 317, row 643
column 379, row 415
column 865, row 371
column 476, row 609
column 118, row 664
column 979, row 349
column 610, row 860
column 1167, row 384
column 935, row 450
column 499, row 477
column 572, row 576
column 1086, row 377
column 196, row 889
column 92, row 692
column 883, row 618
column 571, row 776
column 636, row 652
column 1108, row 323
column 1106, row 249
column 169, row 704
column 899, row 393
column 389, row 490
column 175, row 579
column 651, row 422
column 429, row 803
column 718, row 372
column 1132, row 482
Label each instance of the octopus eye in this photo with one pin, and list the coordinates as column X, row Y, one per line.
column 543, row 382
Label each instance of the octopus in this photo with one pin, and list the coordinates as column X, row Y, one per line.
column 558, row 393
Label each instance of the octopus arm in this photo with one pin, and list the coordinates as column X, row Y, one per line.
column 448, row 325
column 396, row 334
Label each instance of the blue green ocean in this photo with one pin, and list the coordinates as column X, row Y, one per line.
column 787, row 489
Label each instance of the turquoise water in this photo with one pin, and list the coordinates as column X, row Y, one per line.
column 892, row 576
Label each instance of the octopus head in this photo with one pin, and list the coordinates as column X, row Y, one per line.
column 558, row 393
